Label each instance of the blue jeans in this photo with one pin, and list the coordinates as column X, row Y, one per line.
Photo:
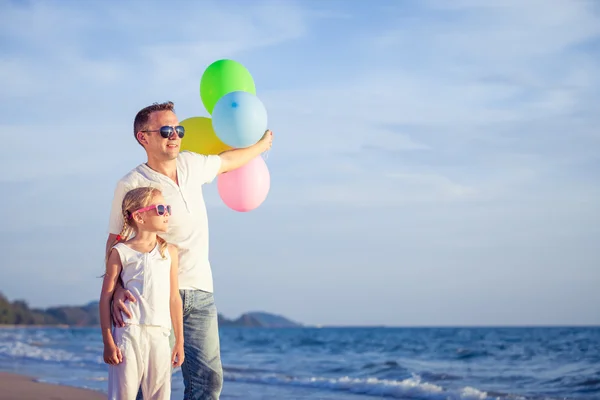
column 202, row 369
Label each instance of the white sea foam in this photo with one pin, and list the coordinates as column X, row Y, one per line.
column 413, row 388
column 25, row 350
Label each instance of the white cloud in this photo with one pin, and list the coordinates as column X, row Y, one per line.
column 71, row 87
column 500, row 117
column 515, row 30
column 162, row 45
column 440, row 187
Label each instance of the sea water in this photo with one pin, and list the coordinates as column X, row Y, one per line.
column 349, row 363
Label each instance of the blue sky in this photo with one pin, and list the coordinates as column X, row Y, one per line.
column 434, row 163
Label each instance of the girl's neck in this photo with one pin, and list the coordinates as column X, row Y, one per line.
column 144, row 240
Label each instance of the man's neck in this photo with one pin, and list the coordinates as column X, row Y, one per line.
column 167, row 168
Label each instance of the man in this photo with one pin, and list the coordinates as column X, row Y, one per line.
column 180, row 176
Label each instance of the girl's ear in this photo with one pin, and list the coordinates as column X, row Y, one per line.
column 138, row 218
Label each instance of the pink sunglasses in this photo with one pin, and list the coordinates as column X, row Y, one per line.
column 160, row 209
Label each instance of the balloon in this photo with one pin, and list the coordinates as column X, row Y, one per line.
column 200, row 137
column 222, row 77
column 239, row 119
column 245, row 188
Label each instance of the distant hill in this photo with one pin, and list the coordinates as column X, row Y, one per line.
column 19, row 313
column 87, row 315
column 259, row 320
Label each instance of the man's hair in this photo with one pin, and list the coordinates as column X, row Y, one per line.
column 141, row 119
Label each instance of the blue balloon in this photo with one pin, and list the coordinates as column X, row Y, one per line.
column 239, row 119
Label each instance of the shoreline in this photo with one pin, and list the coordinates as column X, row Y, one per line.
column 61, row 326
column 23, row 387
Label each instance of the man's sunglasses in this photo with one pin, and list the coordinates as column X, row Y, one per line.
column 160, row 209
column 167, row 131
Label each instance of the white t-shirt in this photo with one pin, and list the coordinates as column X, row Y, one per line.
column 188, row 225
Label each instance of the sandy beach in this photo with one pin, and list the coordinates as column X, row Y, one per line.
column 19, row 387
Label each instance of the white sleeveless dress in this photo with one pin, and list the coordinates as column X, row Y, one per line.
column 144, row 340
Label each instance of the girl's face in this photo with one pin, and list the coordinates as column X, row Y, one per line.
column 150, row 220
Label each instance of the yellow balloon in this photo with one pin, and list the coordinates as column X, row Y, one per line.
column 200, row 137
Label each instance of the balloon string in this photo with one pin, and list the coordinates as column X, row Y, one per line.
column 266, row 154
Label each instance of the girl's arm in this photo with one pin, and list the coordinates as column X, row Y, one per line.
column 113, row 271
column 176, row 308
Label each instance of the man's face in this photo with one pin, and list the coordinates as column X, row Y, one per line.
column 155, row 144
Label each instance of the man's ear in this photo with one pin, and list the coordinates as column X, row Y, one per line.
column 142, row 137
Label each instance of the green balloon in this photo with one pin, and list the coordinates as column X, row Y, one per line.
column 222, row 77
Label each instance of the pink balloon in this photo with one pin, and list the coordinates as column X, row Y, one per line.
column 245, row 188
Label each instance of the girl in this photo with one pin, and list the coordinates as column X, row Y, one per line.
column 139, row 353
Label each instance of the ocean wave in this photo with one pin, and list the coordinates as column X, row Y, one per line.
column 467, row 354
column 309, row 342
column 35, row 351
column 40, row 352
column 413, row 388
column 387, row 364
column 439, row 376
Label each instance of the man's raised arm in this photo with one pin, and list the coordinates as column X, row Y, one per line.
column 233, row 159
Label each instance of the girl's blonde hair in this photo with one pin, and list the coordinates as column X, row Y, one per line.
column 134, row 200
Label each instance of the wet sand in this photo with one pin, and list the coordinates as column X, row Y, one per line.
column 20, row 387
